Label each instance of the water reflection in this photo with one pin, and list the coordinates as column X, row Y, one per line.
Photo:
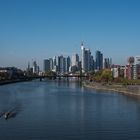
column 65, row 110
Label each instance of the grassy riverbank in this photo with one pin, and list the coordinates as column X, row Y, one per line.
column 131, row 90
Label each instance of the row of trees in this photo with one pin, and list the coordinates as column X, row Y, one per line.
column 106, row 76
column 101, row 76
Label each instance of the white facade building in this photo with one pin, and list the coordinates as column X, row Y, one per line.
column 136, row 68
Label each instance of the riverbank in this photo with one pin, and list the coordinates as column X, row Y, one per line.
column 131, row 90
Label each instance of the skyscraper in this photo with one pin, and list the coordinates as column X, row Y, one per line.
column 51, row 63
column 92, row 63
column 99, row 60
column 85, row 59
column 68, row 62
column 54, row 61
column 75, row 60
column 61, row 64
column 46, row 65
column 35, row 68
column 107, row 64
column 55, row 64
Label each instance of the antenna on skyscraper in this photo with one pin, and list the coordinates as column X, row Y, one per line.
column 82, row 43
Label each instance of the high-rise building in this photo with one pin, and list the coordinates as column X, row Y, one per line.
column 61, row 64
column 99, row 60
column 68, row 63
column 35, row 68
column 107, row 64
column 46, row 65
column 85, row 59
column 54, row 61
column 75, row 60
column 92, row 63
column 51, row 63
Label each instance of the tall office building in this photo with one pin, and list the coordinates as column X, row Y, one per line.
column 35, row 68
column 54, row 61
column 99, row 60
column 54, row 64
column 107, row 63
column 85, row 59
column 61, row 64
column 92, row 63
column 46, row 65
column 68, row 63
column 51, row 63
column 75, row 60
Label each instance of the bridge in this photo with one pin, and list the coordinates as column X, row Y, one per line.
column 57, row 76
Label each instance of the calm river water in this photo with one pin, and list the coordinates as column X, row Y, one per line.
column 65, row 111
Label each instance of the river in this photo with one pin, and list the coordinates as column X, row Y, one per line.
column 50, row 110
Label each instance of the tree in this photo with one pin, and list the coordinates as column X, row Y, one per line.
column 106, row 75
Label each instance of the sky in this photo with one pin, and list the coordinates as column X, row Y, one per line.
column 39, row 29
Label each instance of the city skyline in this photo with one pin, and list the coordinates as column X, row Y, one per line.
column 42, row 29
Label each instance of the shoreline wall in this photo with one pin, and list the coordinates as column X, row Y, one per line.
column 131, row 90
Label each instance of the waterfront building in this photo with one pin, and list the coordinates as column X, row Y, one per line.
column 99, row 60
column 115, row 72
column 118, row 71
column 136, row 68
column 121, row 71
column 128, row 72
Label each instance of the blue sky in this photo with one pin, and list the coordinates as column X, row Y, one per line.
column 39, row 29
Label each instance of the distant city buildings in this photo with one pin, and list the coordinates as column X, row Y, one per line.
column 46, row 65
column 35, row 67
column 129, row 71
column 99, row 60
column 87, row 61
column 107, row 63
column 75, row 64
column 33, row 70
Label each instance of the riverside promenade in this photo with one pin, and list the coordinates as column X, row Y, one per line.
column 130, row 90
